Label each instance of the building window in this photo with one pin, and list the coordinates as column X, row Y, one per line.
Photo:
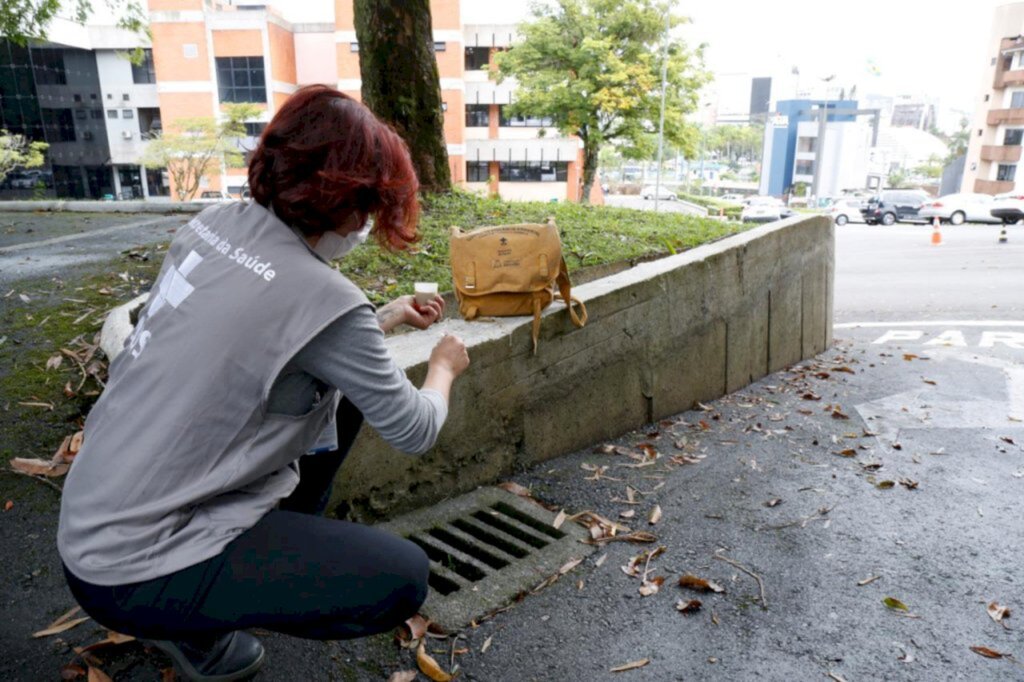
column 804, row 167
column 254, row 128
column 525, row 121
column 111, row 113
column 92, row 96
column 476, row 171
column 96, row 113
column 1017, row 100
column 986, row 98
column 353, row 47
column 1013, row 137
column 1006, row 172
column 78, row 98
column 48, row 65
column 59, row 125
column 80, row 114
column 807, row 144
column 143, row 72
column 533, row 171
column 478, row 115
column 127, row 113
column 149, row 122
column 440, row 46
column 477, row 58
column 241, row 79
column 980, row 131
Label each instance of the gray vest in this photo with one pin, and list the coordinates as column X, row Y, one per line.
column 180, row 453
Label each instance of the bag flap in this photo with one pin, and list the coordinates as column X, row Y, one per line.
column 505, row 258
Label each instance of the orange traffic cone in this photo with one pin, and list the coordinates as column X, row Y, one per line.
column 936, row 232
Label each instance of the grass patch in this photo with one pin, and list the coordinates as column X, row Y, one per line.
column 591, row 235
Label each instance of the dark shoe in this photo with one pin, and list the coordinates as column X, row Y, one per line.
column 234, row 656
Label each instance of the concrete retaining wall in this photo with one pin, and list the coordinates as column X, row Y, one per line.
column 661, row 336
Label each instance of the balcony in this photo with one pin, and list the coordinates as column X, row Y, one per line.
column 991, row 152
column 998, row 116
column 1007, row 78
column 992, row 186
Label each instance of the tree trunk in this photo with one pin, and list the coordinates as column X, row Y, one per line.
column 590, row 153
column 400, row 81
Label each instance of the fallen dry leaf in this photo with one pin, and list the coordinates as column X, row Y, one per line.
column 39, row 467
column 55, row 361
column 848, row 452
column 839, row 414
column 628, row 514
column 559, row 520
column 652, row 586
column 909, row 356
column 655, row 515
column 1007, row 439
column 895, row 604
column 569, row 565
column 413, row 629
column 986, row 652
column 601, row 560
column 61, row 627
column 844, row 368
column 403, row 676
column 688, row 607
column 97, row 675
column 76, row 443
column 515, row 489
column 72, row 671
column 632, row 665
column 487, row 644
column 8, row 505
column 167, row 675
column 997, row 612
column 429, row 667
column 605, row 449
column 885, row 485
column 929, row 382
column 810, row 396
column 909, row 484
column 692, row 582
column 774, row 502
column 868, row 581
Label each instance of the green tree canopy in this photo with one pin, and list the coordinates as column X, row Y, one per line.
column 17, row 152
column 24, row 20
column 594, row 68
column 195, row 147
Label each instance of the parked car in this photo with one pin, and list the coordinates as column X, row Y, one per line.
column 662, row 192
column 960, row 208
column 1008, row 208
column 894, row 205
column 764, row 210
column 844, row 211
column 214, row 196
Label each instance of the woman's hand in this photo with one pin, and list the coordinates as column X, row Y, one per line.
column 448, row 360
column 405, row 310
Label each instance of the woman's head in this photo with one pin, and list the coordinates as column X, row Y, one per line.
column 325, row 162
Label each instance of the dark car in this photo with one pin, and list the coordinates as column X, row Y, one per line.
column 894, row 205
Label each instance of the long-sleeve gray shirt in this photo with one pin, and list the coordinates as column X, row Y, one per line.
column 350, row 355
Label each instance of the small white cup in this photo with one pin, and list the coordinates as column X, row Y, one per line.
column 425, row 292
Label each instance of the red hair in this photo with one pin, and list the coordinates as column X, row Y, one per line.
column 325, row 157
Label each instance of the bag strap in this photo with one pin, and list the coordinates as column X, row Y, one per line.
column 565, row 291
column 535, row 331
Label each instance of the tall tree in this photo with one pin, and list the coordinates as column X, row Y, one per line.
column 195, row 147
column 594, row 68
column 401, row 83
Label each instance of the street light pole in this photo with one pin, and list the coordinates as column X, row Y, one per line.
column 661, row 124
column 822, row 126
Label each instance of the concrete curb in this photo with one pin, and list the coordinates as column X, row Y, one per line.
column 161, row 207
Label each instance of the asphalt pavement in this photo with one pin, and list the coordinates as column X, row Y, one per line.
column 637, row 202
column 46, row 244
column 861, row 511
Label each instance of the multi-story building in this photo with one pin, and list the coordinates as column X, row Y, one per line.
column 997, row 131
column 79, row 93
column 207, row 53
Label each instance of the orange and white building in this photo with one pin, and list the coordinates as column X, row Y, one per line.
column 206, row 54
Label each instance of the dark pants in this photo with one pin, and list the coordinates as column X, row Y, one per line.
column 293, row 572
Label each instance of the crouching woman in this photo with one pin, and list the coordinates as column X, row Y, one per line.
column 192, row 511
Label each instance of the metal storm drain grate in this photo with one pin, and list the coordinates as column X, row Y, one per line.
column 485, row 548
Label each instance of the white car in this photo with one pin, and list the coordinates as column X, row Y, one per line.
column 960, row 208
column 662, row 192
column 844, row 211
column 213, row 197
column 1008, row 208
column 764, row 210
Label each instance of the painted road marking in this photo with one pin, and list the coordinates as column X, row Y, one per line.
column 955, row 338
column 931, row 323
column 83, row 235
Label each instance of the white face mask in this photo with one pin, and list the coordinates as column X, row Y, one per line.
column 333, row 246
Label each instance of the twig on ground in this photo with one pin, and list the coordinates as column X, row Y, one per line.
column 41, row 479
column 802, row 522
column 755, row 576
